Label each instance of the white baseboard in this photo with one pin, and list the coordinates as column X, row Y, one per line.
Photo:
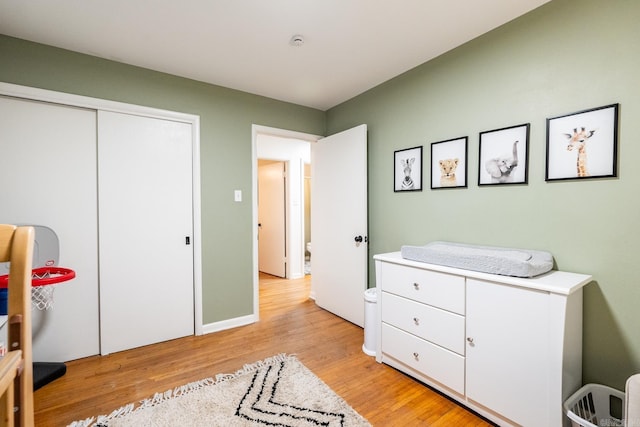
column 229, row 324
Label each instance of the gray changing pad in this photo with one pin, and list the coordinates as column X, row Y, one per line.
column 487, row 259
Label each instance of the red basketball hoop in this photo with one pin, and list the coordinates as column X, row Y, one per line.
column 43, row 280
column 44, row 276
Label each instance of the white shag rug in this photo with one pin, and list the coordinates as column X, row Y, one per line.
column 278, row 391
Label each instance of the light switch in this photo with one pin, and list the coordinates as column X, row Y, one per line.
column 237, row 195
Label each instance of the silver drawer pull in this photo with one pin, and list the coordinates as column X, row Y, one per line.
column 416, row 356
column 416, row 286
column 470, row 340
column 416, row 321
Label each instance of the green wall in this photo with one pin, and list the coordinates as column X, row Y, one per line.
column 226, row 117
column 561, row 58
column 566, row 56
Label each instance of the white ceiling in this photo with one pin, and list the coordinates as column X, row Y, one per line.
column 349, row 46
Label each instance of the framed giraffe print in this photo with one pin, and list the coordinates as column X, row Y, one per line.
column 407, row 169
column 449, row 163
column 583, row 145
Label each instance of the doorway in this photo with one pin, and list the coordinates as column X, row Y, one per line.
column 293, row 149
column 340, row 247
column 272, row 217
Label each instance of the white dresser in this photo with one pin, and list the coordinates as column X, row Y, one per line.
column 509, row 348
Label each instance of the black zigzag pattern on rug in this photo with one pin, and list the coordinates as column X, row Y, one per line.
column 259, row 404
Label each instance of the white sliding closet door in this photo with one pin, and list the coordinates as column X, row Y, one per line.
column 48, row 177
column 146, row 227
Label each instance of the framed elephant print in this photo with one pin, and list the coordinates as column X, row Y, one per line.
column 504, row 156
column 449, row 163
column 583, row 144
column 407, row 169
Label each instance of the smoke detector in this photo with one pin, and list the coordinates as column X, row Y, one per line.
column 296, row 40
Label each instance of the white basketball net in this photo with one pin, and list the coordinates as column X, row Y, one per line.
column 42, row 296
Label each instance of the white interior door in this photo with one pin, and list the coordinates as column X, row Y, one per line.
column 48, row 177
column 338, row 218
column 145, row 226
column 271, row 219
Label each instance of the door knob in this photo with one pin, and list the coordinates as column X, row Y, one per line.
column 360, row 239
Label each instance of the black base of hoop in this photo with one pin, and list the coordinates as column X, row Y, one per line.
column 45, row 372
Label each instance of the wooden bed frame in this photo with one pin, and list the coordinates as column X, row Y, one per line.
column 16, row 367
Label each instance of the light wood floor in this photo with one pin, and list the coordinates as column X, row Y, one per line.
column 289, row 323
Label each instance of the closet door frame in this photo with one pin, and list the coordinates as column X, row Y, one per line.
column 43, row 95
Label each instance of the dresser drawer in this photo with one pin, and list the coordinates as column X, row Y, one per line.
column 441, row 327
column 435, row 362
column 441, row 290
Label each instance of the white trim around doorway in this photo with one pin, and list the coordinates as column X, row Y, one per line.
column 283, row 133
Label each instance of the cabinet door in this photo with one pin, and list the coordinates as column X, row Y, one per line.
column 507, row 351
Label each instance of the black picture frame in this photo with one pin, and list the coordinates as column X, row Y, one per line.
column 569, row 136
column 504, row 156
column 407, row 169
column 449, row 163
